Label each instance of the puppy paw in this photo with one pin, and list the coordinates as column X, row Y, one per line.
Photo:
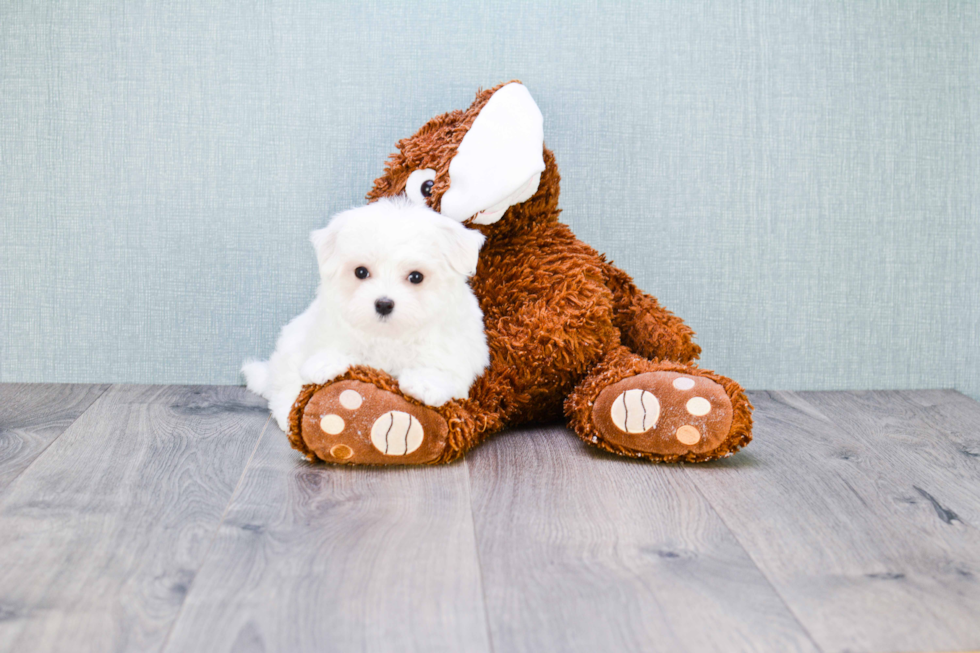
column 323, row 366
column 431, row 387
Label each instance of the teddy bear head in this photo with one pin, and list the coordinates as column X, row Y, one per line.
column 485, row 166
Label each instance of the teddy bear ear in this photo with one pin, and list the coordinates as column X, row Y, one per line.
column 500, row 159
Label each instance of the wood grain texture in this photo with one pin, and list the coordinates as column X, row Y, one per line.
column 32, row 415
column 851, row 524
column 313, row 557
column 929, row 439
column 100, row 540
column 862, row 513
column 585, row 551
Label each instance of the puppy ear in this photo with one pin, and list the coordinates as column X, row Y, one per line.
column 463, row 247
column 325, row 242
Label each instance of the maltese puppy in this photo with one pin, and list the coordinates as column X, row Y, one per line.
column 394, row 296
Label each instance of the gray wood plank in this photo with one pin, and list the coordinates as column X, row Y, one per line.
column 317, row 557
column 32, row 415
column 862, row 518
column 930, row 439
column 101, row 537
column 585, row 551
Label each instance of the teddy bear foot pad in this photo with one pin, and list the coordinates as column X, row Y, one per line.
column 664, row 413
column 355, row 422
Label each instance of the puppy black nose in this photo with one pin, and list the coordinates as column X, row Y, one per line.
column 384, row 306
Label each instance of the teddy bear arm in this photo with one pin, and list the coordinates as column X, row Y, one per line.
column 646, row 327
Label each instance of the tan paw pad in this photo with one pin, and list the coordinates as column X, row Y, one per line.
column 635, row 411
column 698, row 406
column 332, row 424
column 688, row 435
column 396, row 433
column 683, row 383
column 351, row 399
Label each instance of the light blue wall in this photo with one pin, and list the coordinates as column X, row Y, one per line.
column 799, row 180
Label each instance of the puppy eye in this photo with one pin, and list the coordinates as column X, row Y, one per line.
column 415, row 277
column 419, row 185
column 362, row 272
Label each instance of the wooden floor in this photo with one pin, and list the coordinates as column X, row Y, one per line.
column 165, row 518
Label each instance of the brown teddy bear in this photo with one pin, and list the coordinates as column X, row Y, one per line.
column 568, row 331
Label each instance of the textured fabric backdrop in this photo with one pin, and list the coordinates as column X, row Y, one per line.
column 799, row 180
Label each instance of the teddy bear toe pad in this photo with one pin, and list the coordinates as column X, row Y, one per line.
column 665, row 413
column 356, row 422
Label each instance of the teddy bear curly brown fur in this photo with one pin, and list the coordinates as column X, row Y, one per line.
column 569, row 334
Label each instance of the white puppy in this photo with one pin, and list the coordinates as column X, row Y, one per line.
column 393, row 295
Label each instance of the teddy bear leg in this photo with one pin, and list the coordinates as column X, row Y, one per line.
column 363, row 419
column 659, row 410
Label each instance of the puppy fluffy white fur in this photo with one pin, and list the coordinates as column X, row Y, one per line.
column 393, row 295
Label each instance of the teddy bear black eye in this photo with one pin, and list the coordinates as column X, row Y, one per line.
column 427, row 187
column 415, row 277
column 362, row 272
